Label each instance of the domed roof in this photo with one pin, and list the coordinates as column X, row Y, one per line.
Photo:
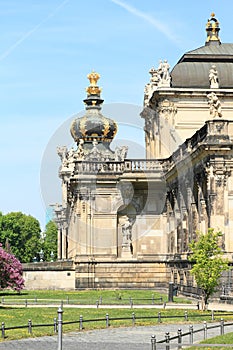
column 192, row 70
column 93, row 125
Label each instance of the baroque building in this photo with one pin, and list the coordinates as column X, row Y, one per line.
column 128, row 222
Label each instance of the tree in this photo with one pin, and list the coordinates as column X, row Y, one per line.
column 10, row 271
column 23, row 234
column 50, row 240
column 208, row 262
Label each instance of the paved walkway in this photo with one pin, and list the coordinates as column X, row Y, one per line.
column 128, row 338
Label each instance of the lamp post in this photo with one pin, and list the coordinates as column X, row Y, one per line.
column 41, row 254
column 52, row 256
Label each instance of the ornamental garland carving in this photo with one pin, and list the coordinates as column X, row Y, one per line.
column 167, row 110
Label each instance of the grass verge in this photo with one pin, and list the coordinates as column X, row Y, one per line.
column 221, row 339
column 89, row 297
column 13, row 317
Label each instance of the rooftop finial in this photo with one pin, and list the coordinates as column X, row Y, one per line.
column 93, row 100
column 212, row 29
column 93, row 89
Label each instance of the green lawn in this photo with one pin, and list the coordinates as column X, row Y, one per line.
column 19, row 317
column 221, row 339
column 20, row 314
column 88, row 297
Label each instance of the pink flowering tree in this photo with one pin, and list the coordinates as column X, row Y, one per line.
column 10, row 271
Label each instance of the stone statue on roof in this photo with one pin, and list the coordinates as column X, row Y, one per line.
column 160, row 77
column 213, row 78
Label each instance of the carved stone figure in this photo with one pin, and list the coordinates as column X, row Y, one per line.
column 160, row 77
column 148, row 90
column 155, row 76
column 121, row 153
column 165, row 75
column 70, row 159
column 62, row 152
column 213, row 78
column 126, row 232
column 79, row 154
column 215, row 105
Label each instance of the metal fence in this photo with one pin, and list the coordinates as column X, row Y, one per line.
column 168, row 341
column 179, row 344
column 79, row 301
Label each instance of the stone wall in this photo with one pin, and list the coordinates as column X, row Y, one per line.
column 93, row 274
column 44, row 275
column 122, row 274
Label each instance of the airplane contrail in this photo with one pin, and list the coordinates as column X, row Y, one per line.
column 30, row 32
column 151, row 20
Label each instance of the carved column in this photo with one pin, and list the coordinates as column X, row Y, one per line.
column 61, row 221
column 219, row 220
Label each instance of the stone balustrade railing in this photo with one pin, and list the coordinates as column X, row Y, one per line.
column 133, row 165
column 214, row 131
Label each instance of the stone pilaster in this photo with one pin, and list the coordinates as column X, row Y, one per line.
column 166, row 111
column 151, row 132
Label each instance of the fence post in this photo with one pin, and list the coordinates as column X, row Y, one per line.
column 133, row 319
column 205, row 330
column 97, row 304
column 35, row 300
column 131, row 302
column 222, row 326
column 26, row 303
column 159, row 317
column 67, row 299
column 191, row 334
column 55, row 325
column 61, row 304
column 3, row 329
column 153, row 342
column 186, row 315
column 167, row 337
column 107, row 320
column 2, row 300
column 80, row 322
column 101, row 300
column 212, row 315
column 59, row 322
column 30, row 326
column 179, row 333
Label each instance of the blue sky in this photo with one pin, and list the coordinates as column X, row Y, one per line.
column 47, row 48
